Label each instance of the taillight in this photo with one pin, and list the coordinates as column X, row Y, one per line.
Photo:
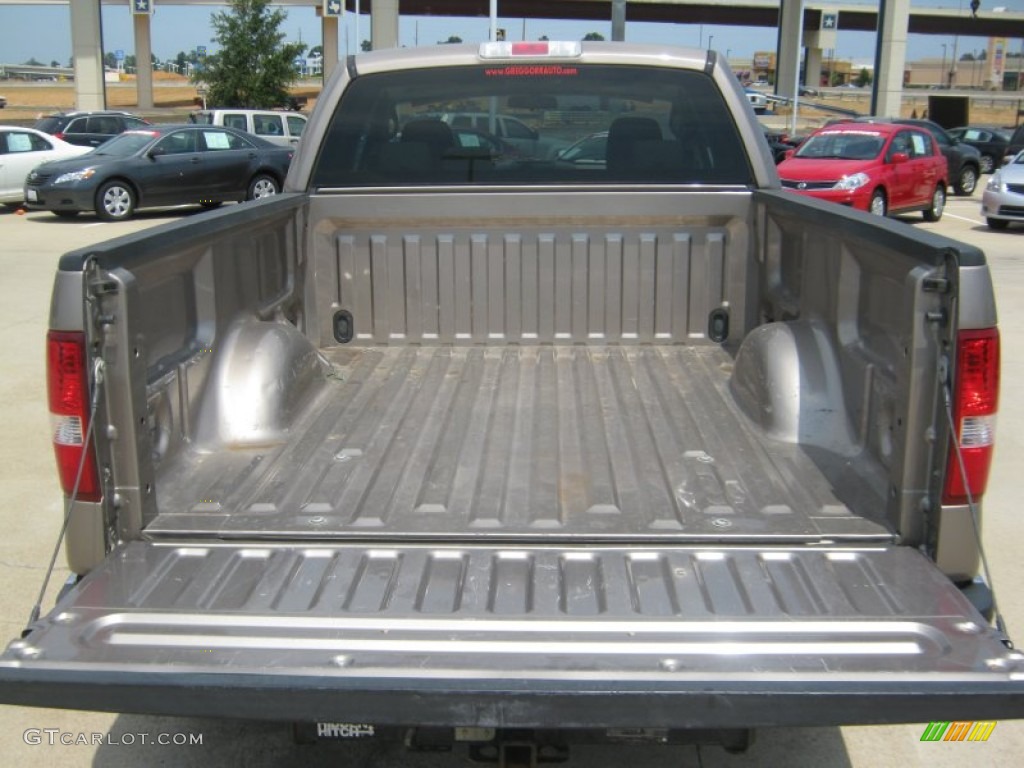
column 59, row 135
column 68, row 388
column 975, row 402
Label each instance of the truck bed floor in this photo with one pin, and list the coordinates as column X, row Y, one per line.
column 616, row 443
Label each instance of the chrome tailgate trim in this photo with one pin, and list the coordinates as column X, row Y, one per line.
column 514, row 636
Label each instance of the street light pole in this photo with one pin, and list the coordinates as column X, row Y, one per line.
column 942, row 72
column 956, row 43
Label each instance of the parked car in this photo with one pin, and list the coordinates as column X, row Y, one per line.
column 964, row 160
column 89, row 129
column 496, row 149
column 757, row 100
column 991, row 141
column 1016, row 143
column 1003, row 199
column 21, row 150
column 162, row 165
column 589, row 152
column 779, row 142
column 527, row 140
column 883, row 168
column 275, row 126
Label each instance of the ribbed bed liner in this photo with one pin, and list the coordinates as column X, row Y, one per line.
column 617, row 443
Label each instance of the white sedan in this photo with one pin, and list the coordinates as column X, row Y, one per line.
column 1003, row 199
column 21, row 150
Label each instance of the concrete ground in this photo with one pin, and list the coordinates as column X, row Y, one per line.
column 30, row 509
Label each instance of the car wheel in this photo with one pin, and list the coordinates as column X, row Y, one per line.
column 997, row 223
column 938, row 204
column 968, row 180
column 987, row 163
column 262, row 186
column 115, row 201
column 878, row 205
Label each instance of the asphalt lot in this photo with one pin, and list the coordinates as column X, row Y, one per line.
column 30, row 510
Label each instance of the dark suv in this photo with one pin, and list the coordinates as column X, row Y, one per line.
column 88, row 129
column 963, row 159
column 1016, row 142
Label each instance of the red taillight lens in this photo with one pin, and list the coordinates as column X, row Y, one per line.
column 530, row 49
column 68, row 389
column 975, row 402
column 59, row 135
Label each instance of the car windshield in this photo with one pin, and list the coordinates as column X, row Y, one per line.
column 842, row 145
column 126, row 144
column 663, row 126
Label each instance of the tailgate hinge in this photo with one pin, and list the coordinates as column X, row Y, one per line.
column 97, row 287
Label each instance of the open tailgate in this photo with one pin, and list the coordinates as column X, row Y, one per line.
column 511, row 636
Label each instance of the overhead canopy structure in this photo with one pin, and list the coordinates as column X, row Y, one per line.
column 795, row 19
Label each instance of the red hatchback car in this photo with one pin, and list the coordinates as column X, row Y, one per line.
column 884, row 168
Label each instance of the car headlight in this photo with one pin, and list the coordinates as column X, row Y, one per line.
column 853, row 181
column 995, row 184
column 67, row 178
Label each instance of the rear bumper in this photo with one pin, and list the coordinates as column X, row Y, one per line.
column 504, row 703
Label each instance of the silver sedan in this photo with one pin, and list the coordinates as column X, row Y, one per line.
column 1003, row 199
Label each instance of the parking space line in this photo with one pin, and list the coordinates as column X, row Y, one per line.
column 964, row 218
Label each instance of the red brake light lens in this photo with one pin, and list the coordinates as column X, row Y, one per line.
column 975, row 403
column 68, row 394
column 530, row 49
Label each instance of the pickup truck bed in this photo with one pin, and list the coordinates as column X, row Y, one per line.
column 535, row 442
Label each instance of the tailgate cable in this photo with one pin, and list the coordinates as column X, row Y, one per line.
column 97, row 375
column 975, row 521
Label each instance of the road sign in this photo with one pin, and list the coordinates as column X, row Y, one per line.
column 200, row 50
column 119, row 55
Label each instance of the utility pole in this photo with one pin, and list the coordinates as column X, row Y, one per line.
column 619, row 20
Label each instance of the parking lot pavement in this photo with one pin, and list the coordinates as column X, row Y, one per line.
column 30, row 509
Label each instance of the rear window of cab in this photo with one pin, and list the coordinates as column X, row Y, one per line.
column 442, row 126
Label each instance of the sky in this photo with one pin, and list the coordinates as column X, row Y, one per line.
column 181, row 28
